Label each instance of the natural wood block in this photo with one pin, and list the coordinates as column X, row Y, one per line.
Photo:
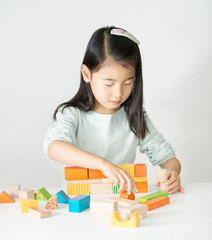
column 106, row 180
column 76, row 173
column 13, row 190
column 161, row 175
column 163, row 186
column 39, row 212
column 122, row 202
column 94, row 173
column 126, row 212
column 101, row 188
column 105, row 207
column 140, row 170
column 26, row 193
column 128, row 167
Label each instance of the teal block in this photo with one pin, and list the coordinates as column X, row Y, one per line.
column 79, row 203
column 62, row 197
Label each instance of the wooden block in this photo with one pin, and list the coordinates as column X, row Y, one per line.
column 25, row 204
column 62, row 197
column 140, row 170
column 106, row 180
column 128, row 167
column 26, row 193
column 101, row 188
column 39, row 212
column 79, row 203
column 77, row 189
column 76, row 173
column 139, row 179
column 94, row 173
column 6, row 198
column 52, row 203
column 84, row 181
column 126, row 212
column 42, row 195
column 156, row 202
column 106, row 207
column 163, row 186
column 13, row 190
column 117, row 221
column 162, row 175
column 125, row 195
column 123, row 202
column 153, row 195
column 142, row 187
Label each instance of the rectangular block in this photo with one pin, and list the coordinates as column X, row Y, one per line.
column 26, row 193
column 156, row 202
column 123, row 202
column 106, row 180
column 94, row 173
column 140, row 170
column 126, row 212
column 39, row 212
column 84, row 181
column 76, row 189
column 13, row 190
column 128, row 167
column 25, row 204
column 76, row 173
column 79, row 203
column 153, row 195
column 101, row 188
column 142, row 187
column 97, row 207
column 139, row 179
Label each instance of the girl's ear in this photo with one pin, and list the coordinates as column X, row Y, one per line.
column 86, row 73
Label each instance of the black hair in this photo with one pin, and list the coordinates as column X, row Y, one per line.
column 102, row 45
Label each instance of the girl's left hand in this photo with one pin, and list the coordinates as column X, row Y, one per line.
column 173, row 182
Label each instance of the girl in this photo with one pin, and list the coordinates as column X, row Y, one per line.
column 104, row 123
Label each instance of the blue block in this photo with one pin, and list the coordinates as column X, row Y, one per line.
column 79, row 203
column 62, row 197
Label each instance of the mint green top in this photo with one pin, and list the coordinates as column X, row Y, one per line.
column 108, row 136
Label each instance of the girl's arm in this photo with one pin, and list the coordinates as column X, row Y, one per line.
column 174, row 168
column 71, row 155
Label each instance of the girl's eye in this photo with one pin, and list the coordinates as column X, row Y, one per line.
column 108, row 85
column 128, row 83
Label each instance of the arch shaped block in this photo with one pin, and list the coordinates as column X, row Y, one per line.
column 117, row 221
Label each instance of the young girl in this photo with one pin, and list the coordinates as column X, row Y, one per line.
column 104, row 123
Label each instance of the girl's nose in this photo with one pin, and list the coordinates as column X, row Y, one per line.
column 117, row 93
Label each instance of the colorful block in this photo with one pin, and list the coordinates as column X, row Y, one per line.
column 140, row 170
column 156, row 202
column 125, row 195
column 85, row 181
column 77, row 189
column 62, row 197
column 94, row 173
column 25, row 204
column 42, row 195
column 142, row 187
column 13, row 190
column 6, row 198
column 116, row 188
column 39, row 212
column 79, row 203
column 128, row 167
column 52, row 203
column 153, row 195
column 26, row 193
column 76, row 173
column 117, row 221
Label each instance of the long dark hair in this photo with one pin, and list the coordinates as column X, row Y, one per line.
column 123, row 50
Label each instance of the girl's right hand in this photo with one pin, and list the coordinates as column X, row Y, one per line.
column 119, row 176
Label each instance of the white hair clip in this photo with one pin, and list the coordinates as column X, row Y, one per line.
column 121, row 32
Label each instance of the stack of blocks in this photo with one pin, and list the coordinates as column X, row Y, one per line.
column 89, row 181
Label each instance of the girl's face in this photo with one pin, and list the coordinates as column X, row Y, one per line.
column 111, row 86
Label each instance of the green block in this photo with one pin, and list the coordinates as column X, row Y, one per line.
column 153, row 195
column 115, row 189
column 42, row 195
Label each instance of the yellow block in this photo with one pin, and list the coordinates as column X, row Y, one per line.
column 76, row 189
column 25, row 204
column 129, row 167
column 117, row 221
column 140, row 179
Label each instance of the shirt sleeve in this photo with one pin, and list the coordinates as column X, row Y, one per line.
column 64, row 128
column 155, row 145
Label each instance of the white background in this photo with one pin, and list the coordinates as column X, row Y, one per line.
column 42, row 44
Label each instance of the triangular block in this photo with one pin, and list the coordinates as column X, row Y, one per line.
column 6, row 198
column 52, row 203
column 62, row 197
column 42, row 195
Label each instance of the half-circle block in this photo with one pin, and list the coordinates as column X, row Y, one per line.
column 117, row 221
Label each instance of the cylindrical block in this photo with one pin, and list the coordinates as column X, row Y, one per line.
column 161, row 175
column 163, row 186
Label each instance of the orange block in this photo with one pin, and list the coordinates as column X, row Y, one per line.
column 94, row 173
column 6, row 198
column 142, row 187
column 76, row 173
column 124, row 195
column 156, row 202
column 140, row 170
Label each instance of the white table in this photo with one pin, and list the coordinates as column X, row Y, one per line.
column 188, row 216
